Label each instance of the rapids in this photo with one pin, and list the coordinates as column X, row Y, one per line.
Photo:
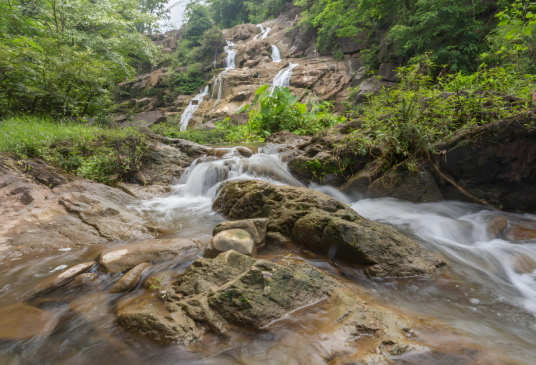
column 488, row 293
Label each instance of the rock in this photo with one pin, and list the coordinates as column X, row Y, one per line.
column 131, row 278
column 357, row 184
column 92, row 307
column 22, row 322
column 496, row 226
column 146, row 119
column 63, row 278
column 207, row 126
column 237, row 290
column 163, row 322
column 255, row 227
column 277, row 237
column 87, row 281
column 240, row 119
column 360, row 76
column 143, row 192
column 285, row 137
column 128, row 256
column 232, row 239
column 405, row 185
column 387, row 71
column 244, row 151
column 494, row 162
column 321, row 223
column 517, row 233
column 371, row 87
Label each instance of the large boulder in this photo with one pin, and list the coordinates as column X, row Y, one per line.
column 405, row 185
column 495, row 162
column 146, row 119
column 371, row 87
column 326, row 225
column 237, row 290
column 126, row 257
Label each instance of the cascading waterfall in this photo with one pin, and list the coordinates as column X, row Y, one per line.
column 264, row 31
column 283, row 76
column 215, row 59
column 191, row 108
column 230, row 59
column 276, row 55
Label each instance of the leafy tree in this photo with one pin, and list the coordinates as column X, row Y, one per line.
column 199, row 21
column 63, row 58
column 212, row 39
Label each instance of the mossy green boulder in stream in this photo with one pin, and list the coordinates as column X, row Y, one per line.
column 324, row 224
column 215, row 295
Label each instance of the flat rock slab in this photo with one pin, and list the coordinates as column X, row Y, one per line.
column 21, row 322
column 326, row 225
column 128, row 256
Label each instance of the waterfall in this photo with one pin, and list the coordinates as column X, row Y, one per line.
column 264, row 31
column 191, row 108
column 283, row 76
column 276, row 55
column 215, row 59
column 230, row 59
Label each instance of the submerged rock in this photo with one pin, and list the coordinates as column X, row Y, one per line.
column 130, row 279
column 237, row 290
column 496, row 226
column 232, row 239
column 126, row 257
column 517, row 233
column 21, row 322
column 63, row 278
column 324, row 224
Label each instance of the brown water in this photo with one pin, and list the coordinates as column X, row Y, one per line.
column 480, row 310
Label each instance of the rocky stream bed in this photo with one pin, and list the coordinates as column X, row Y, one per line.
column 232, row 259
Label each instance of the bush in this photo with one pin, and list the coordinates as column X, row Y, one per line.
column 89, row 151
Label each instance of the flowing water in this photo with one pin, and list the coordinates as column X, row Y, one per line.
column 283, row 76
column 192, row 107
column 276, row 55
column 264, row 31
column 487, row 295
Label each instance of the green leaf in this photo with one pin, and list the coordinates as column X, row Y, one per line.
column 261, row 89
column 302, row 108
column 265, row 110
column 245, row 107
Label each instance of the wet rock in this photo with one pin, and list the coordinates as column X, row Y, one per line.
column 405, row 185
column 63, row 278
column 128, row 256
column 91, row 307
column 235, row 289
column 321, row 223
column 143, row 192
column 131, row 278
column 232, row 239
column 87, row 281
column 277, row 237
column 255, row 227
column 22, row 322
column 163, row 322
column 496, row 226
column 357, row 184
column 244, row 151
column 517, row 233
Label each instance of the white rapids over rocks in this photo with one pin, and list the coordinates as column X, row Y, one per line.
column 282, row 78
column 192, row 107
column 276, row 55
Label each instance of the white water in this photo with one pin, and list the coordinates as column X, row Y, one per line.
column 276, row 55
column 264, row 31
column 191, row 108
column 230, row 59
column 458, row 231
column 488, row 290
column 283, row 76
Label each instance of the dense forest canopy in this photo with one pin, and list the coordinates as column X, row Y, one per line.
column 65, row 57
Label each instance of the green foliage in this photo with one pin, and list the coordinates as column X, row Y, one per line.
column 228, row 13
column 338, row 55
column 199, row 21
column 407, row 121
column 157, row 283
column 200, row 136
column 89, row 151
column 64, row 57
column 212, row 39
column 280, row 110
column 514, row 40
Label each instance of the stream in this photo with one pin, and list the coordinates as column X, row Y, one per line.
column 486, row 298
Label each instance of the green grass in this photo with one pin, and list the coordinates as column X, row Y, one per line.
column 89, row 151
column 200, row 136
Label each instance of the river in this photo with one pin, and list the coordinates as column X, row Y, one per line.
column 485, row 300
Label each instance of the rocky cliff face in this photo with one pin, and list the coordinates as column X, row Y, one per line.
column 231, row 87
